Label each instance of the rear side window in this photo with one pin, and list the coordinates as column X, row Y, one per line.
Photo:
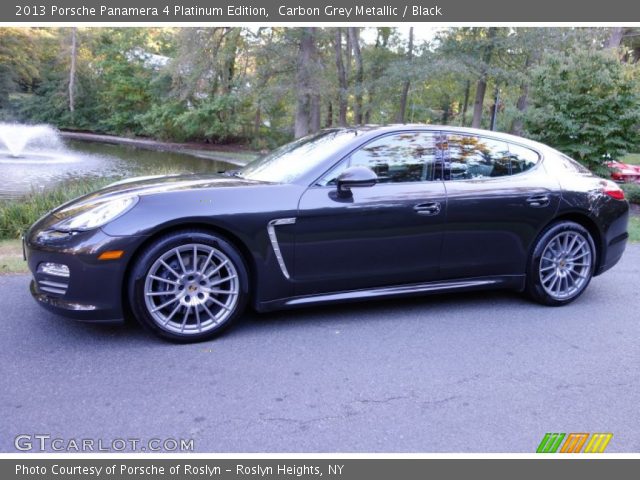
column 522, row 159
column 469, row 157
column 472, row 157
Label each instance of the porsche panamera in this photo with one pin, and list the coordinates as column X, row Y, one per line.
column 342, row 215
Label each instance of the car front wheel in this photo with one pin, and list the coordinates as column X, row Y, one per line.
column 561, row 264
column 188, row 286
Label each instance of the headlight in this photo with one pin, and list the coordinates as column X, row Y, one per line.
column 92, row 215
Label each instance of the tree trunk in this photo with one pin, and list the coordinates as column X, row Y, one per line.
column 257, row 121
column 407, row 83
column 446, row 110
column 481, row 86
column 465, row 107
column 615, row 37
column 329, row 120
column 304, row 86
column 376, row 70
column 355, row 44
column 314, row 114
column 517, row 127
column 229, row 54
column 494, row 109
column 72, row 69
column 342, row 79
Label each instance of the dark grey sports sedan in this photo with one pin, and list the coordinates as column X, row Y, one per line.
column 342, row 215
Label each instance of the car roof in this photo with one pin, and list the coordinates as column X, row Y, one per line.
column 374, row 130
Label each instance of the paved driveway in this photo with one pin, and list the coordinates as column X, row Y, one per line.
column 485, row 372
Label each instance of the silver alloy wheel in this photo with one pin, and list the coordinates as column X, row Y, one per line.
column 191, row 289
column 565, row 266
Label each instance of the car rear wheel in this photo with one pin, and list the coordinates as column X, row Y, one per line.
column 188, row 286
column 561, row 264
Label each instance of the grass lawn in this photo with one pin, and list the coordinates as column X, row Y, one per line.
column 632, row 158
column 11, row 257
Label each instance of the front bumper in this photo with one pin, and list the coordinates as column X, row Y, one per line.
column 93, row 290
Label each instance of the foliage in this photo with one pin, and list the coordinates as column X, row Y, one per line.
column 19, row 214
column 587, row 104
column 18, row 62
column 231, row 84
column 631, row 158
column 631, row 192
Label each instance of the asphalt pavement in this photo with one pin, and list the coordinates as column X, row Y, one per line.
column 482, row 372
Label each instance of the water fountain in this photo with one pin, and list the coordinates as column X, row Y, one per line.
column 35, row 157
column 23, row 140
column 32, row 157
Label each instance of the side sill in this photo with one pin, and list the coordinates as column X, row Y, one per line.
column 515, row 282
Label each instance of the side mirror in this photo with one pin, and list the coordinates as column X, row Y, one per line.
column 354, row 177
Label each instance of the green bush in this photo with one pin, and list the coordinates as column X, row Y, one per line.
column 632, row 192
column 18, row 215
column 586, row 104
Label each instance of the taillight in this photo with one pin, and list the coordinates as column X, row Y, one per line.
column 613, row 190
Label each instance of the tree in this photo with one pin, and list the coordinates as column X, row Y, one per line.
column 586, row 104
column 342, row 79
column 407, row 83
column 19, row 61
column 307, row 119
column 72, row 69
column 354, row 35
column 481, row 84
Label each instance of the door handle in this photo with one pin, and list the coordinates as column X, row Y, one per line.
column 538, row 201
column 429, row 208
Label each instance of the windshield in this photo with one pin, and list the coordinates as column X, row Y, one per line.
column 289, row 162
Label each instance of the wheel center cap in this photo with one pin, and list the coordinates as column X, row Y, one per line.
column 192, row 288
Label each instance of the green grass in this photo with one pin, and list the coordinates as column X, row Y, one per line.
column 18, row 215
column 632, row 158
column 11, row 257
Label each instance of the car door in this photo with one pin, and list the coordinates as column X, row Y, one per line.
column 498, row 200
column 389, row 233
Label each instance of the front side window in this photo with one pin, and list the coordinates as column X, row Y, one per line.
column 401, row 157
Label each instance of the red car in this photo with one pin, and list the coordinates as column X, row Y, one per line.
column 623, row 172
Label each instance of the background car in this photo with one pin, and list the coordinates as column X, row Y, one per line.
column 624, row 172
column 343, row 215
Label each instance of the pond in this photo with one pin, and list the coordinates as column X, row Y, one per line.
column 51, row 163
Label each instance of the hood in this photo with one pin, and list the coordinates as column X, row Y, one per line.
column 168, row 183
column 151, row 185
column 140, row 187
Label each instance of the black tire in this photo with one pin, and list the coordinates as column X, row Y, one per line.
column 191, row 287
column 576, row 268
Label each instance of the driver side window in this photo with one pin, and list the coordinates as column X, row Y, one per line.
column 401, row 157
